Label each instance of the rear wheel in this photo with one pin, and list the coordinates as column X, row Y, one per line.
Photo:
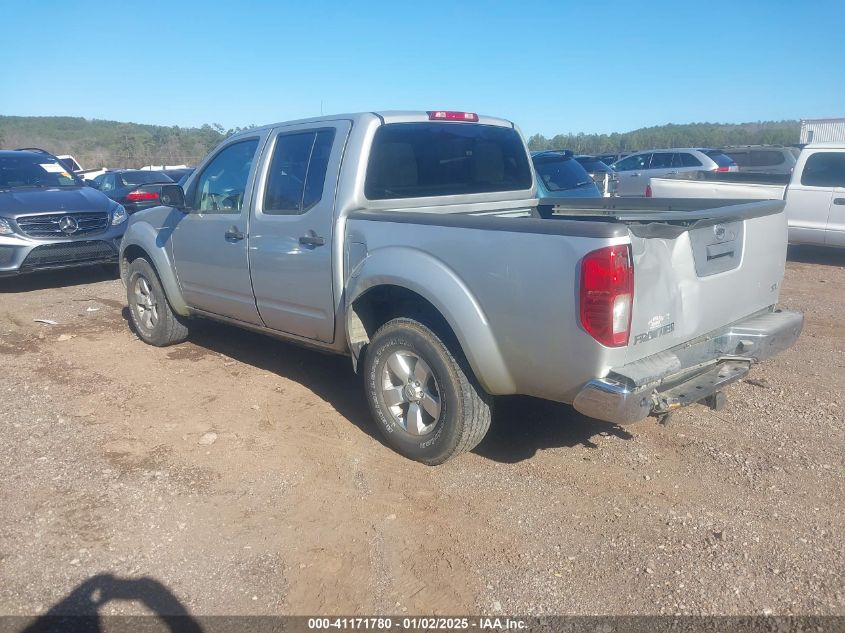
column 151, row 314
column 427, row 403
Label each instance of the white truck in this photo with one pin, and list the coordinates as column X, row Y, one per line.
column 814, row 194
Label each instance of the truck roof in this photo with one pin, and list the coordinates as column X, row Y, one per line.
column 826, row 145
column 387, row 116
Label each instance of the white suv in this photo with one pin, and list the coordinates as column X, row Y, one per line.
column 635, row 170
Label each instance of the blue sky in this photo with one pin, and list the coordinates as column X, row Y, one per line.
column 552, row 67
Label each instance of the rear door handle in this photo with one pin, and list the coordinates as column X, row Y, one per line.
column 312, row 239
column 234, row 235
column 839, row 201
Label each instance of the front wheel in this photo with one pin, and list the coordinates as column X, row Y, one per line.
column 427, row 403
column 154, row 320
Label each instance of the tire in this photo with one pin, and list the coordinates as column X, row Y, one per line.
column 452, row 412
column 152, row 317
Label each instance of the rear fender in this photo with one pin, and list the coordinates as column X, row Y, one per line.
column 430, row 278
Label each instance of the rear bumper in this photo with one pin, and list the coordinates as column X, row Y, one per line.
column 690, row 372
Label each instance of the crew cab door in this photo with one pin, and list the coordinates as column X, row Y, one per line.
column 809, row 197
column 210, row 242
column 290, row 244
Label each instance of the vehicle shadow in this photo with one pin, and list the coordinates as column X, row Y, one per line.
column 522, row 426
column 329, row 376
column 816, row 255
column 67, row 277
column 79, row 611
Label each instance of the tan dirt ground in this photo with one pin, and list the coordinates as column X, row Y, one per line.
column 109, row 474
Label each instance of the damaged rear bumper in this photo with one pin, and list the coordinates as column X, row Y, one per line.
column 690, row 372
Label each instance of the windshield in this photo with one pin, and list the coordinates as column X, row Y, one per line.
column 135, row 178
column 560, row 174
column 410, row 160
column 26, row 170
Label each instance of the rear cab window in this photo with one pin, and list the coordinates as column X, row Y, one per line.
column 415, row 160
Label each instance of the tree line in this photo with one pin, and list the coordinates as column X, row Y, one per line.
column 96, row 143
column 673, row 135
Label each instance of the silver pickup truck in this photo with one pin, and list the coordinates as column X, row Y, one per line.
column 413, row 242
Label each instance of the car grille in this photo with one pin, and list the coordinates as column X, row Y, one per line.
column 69, row 253
column 49, row 224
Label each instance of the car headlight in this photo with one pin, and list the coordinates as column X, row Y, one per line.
column 118, row 215
column 5, row 227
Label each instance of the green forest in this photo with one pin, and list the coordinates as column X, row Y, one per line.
column 96, row 143
column 673, row 135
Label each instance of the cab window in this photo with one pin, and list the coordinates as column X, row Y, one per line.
column 824, row 169
column 297, row 172
column 221, row 186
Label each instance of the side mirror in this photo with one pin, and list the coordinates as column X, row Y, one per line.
column 173, row 196
column 90, row 183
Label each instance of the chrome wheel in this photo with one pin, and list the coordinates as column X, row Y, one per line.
column 146, row 304
column 410, row 392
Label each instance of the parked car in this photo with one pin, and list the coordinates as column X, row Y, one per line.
column 766, row 159
column 609, row 159
column 411, row 242
column 178, row 175
column 814, row 194
column 124, row 186
column 635, row 170
column 152, row 192
column 560, row 175
column 49, row 218
column 602, row 174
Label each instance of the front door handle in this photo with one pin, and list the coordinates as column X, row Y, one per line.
column 234, row 235
column 839, row 201
column 312, row 239
column 635, row 175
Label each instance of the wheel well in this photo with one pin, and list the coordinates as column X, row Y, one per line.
column 380, row 304
column 130, row 254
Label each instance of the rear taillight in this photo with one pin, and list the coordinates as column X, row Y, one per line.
column 138, row 196
column 450, row 115
column 648, row 191
column 722, row 169
column 607, row 294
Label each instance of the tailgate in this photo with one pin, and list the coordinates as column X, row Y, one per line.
column 691, row 278
column 698, row 264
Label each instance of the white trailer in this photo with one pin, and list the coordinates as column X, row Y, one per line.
column 822, row 130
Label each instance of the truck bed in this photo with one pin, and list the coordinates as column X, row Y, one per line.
column 520, row 276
